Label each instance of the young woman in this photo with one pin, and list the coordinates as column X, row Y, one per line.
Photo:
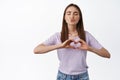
column 72, row 44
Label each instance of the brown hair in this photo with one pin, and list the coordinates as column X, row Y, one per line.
column 79, row 27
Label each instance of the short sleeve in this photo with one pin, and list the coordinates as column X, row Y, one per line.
column 51, row 40
column 92, row 41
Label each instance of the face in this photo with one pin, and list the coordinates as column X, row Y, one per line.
column 72, row 15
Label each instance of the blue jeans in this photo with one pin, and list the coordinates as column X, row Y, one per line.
column 62, row 76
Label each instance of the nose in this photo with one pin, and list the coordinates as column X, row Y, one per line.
column 71, row 16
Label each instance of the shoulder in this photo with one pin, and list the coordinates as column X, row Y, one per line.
column 87, row 33
column 56, row 35
column 88, row 36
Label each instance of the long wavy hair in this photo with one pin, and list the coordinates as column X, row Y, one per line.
column 79, row 26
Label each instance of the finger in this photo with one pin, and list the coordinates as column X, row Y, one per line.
column 68, row 46
column 70, row 40
column 82, row 41
column 67, row 42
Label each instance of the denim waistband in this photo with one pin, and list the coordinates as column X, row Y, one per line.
column 73, row 75
column 82, row 76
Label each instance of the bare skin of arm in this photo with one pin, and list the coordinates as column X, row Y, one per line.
column 101, row 52
column 41, row 48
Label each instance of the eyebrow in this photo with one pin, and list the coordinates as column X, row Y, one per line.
column 68, row 12
column 73, row 12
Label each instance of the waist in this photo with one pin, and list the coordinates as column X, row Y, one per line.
column 78, row 76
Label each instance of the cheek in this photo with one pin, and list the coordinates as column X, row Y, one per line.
column 77, row 18
column 66, row 18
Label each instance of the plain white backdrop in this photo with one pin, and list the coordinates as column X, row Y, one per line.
column 26, row 23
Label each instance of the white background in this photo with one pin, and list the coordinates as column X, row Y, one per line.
column 26, row 23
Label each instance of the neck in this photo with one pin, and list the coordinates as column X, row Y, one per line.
column 72, row 29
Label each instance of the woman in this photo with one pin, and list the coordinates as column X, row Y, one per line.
column 72, row 44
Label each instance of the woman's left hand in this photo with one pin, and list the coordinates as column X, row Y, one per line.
column 84, row 45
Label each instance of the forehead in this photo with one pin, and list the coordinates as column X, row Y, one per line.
column 72, row 9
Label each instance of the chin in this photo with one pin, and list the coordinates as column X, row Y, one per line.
column 73, row 24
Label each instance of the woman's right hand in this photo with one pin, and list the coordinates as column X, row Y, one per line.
column 66, row 44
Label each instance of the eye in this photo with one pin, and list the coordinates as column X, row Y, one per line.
column 76, row 13
column 68, row 13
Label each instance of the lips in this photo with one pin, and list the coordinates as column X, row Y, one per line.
column 72, row 20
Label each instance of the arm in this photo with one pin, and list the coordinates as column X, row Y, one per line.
column 41, row 48
column 101, row 52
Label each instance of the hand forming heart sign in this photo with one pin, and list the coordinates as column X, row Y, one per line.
column 76, row 44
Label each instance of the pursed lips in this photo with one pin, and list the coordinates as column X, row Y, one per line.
column 72, row 20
